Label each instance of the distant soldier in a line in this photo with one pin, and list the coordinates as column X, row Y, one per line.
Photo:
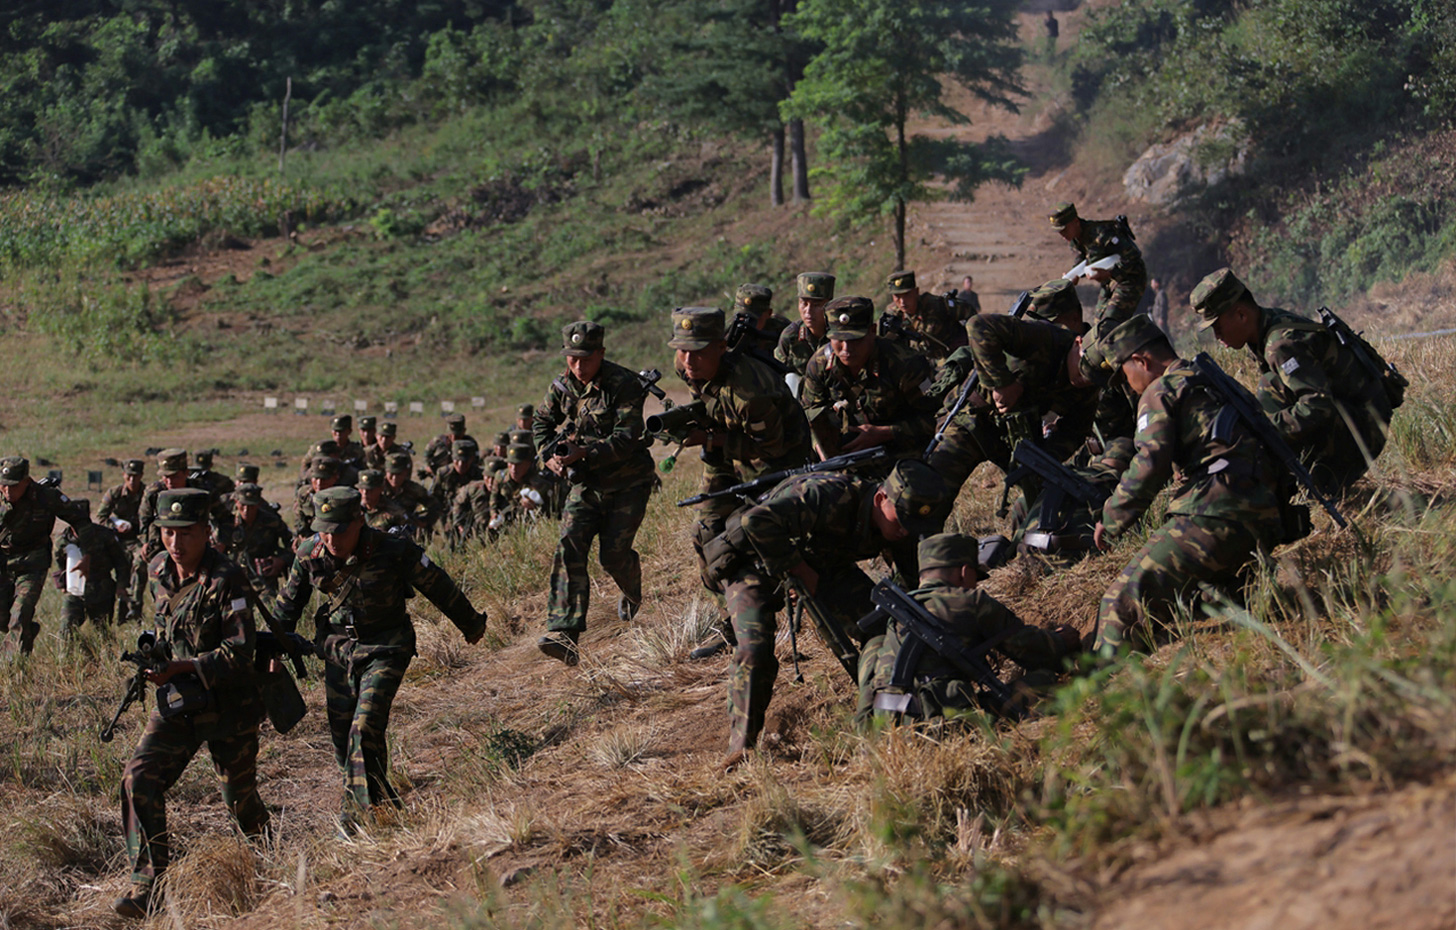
column 368, row 437
column 104, row 571
column 202, row 476
column 1096, row 240
column 323, row 475
column 756, row 300
column 464, row 468
column 807, row 335
column 521, row 492
column 259, row 542
column 926, row 323
column 525, row 416
column 437, row 453
column 380, row 512
column 350, row 453
column 400, row 487
column 120, row 509
column 377, row 455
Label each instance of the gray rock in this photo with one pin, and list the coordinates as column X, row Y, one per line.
column 1169, row 171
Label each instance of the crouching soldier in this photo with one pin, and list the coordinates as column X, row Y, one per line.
column 210, row 687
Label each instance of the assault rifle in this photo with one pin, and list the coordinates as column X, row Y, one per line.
column 749, row 490
column 923, row 630
column 1018, row 310
column 1389, row 376
column 151, row 655
column 1062, row 488
column 832, row 633
column 1238, row 399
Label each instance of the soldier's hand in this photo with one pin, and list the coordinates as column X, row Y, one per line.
column 173, row 668
column 1099, row 537
column 807, row 576
column 869, row 436
column 1007, row 396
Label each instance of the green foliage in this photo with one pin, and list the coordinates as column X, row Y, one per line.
column 110, row 323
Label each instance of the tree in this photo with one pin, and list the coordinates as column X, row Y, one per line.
column 882, row 62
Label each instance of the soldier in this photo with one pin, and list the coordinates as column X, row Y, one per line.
column 172, row 476
column 409, row 494
column 1056, row 302
column 1092, row 240
column 1064, row 538
column 814, row 527
column 931, row 686
column 1027, row 371
column 203, row 613
column 589, row 431
column 368, row 436
column 364, row 578
column 924, row 322
column 120, row 509
column 1225, row 508
column 259, row 542
column 327, row 448
column 967, row 302
column 496, row 453
column 204, row 477
column 1331, row 410
column 437, row 453
column 350, row 452
column 464, row 468
column 521, row 492
column 323, row 475
column 805, row 336
column 104, row 568
column 756, row 300
column 470, row 509
column 377, row 455
column 865, row 390
column 380, row 512
column 525, row 416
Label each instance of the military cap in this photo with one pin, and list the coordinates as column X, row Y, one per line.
column 247, row 474
column 1095, row 364
column 581, row 338
column 520, row 437
column 182, row 507
column 133, row 467
column 695, row 328
column 525, row 410
column 325, row 466
column 203, row 458
column 921, row 497
column 369, row 423
column 1063, row 214
column 517, row 454
column 1053, row 299
column 341, row 423
column 464, row 449
column 327, row 447
column 850, row 317
column 249, row 493
column 753, row 298
column 948, row 550
column 902, row 282
column 172, row 461
column 1216, row 293
column 1129, row 336
column 398, row 463
column 371, row 478
column 816, row 285
column 503, row 438
column 495, row 464
column 388, row 428
column 14, row 469
column 335, row 508
column 456, row 423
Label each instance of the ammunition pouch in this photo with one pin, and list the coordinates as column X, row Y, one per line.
column 281, row 699
column 183, row 695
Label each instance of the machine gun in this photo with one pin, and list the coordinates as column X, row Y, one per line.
column 151, row 655
column 1386, row 373
column 1243, row 404
column 1018, row 310
column 921, row 630
column 749, row 490
column 1062, row 489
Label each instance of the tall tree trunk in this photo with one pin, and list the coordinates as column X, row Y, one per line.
column 901, row 207
column 800, row 160
column 900, row 210
column 776, row 169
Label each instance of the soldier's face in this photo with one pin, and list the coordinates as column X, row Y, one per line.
column 907, row 302
column 342, row 543
column 1072, row 230
column 811, row 312
column 132, row 483
column 396, row 479
column 323, row 481
column 702, row 364
column 853, row 354
column 886, row 521
column 462, row 465
column 247, row 512
column 185, row 544
column 175, row 481
column 585, row 367
column 518, row 470
column 368, row 437
column 341, row 436
column 371, row 497
column 14, row 492
column 1139, row 374
column 385, row 442
column 1235, row 327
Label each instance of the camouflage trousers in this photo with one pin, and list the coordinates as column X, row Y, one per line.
column 753, row 600
column 1343, row 455
column 1167, row 570
column 359, row 697
column 611, row 516
column 968, row 442
column 22, row 579
column 166, row 746
column 98, row 605
column 1118, row 301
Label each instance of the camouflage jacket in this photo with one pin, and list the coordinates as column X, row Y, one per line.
column 796, row 346
column 469, row 510
column 303, row 511
column 1105, row 237
column 822, row 519
column 892, row 390
column 210, row 481
column 366, row 595
column 605, row 417
column 1229, row 477
column 416, row 501
column 762, row 425
column 1311, row 382
column 264, row 538
column 207, row 619
column 975, row 618
column 934, row 330
column 26, row 525
column 505, row 498
column 440, row 449
column 116, row 504
column 1035, row 354
column 388, row 515
column 109, row 560
column 448, row 483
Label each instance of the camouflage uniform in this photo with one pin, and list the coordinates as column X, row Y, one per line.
column 25, row 550
column 449, row 482
column 108, row 564
column 437, row 453
column 796, row 344
column 367, row 637
column 118, row 508
column 1098, row 239
column 1071, row 539
column 1225, row 507
column 304, row 508
column 1034, row 354
column 824, row 520
column 206, row 618
column 505, row 505
column 411, row 496
column 608, row 496
column 265, row 538
column 891, row 390
column 202, row 476
column 756, row 300
column 388, row 515
column 934, row 330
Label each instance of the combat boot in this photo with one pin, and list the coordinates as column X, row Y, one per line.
column 627, row 608
column 560, row 645
column 135, row 906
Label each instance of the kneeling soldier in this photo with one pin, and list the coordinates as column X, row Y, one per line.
column 203, row 613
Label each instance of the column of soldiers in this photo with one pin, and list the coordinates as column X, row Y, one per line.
column 850, row 442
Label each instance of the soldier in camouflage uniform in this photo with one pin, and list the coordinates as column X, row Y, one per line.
column 588, row 430
column 120, row 509
column 105, row 567
column 380, row 512
column 348, row 474
column 1056, row 302
column 807, row 335
column 866, row 391
column 203, row 612
column 377, row 455
column 410, row 494
column 202, row 476
column 933, row 686
column 464, row 469
column 350, row 453
column 364, row 579
column 756, row 300
column 259, row 542
column 368, row 438
column 1027, row 370
column 496, row 453
column 1331, row 410
column 437, row 453
column 515, row 494
column 754, row 425
column 525, row 416
column 173, row 476
column 1225, row 508
column 924, row 322
column 1092, row 240
column 814, row 527
column 324, row 474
